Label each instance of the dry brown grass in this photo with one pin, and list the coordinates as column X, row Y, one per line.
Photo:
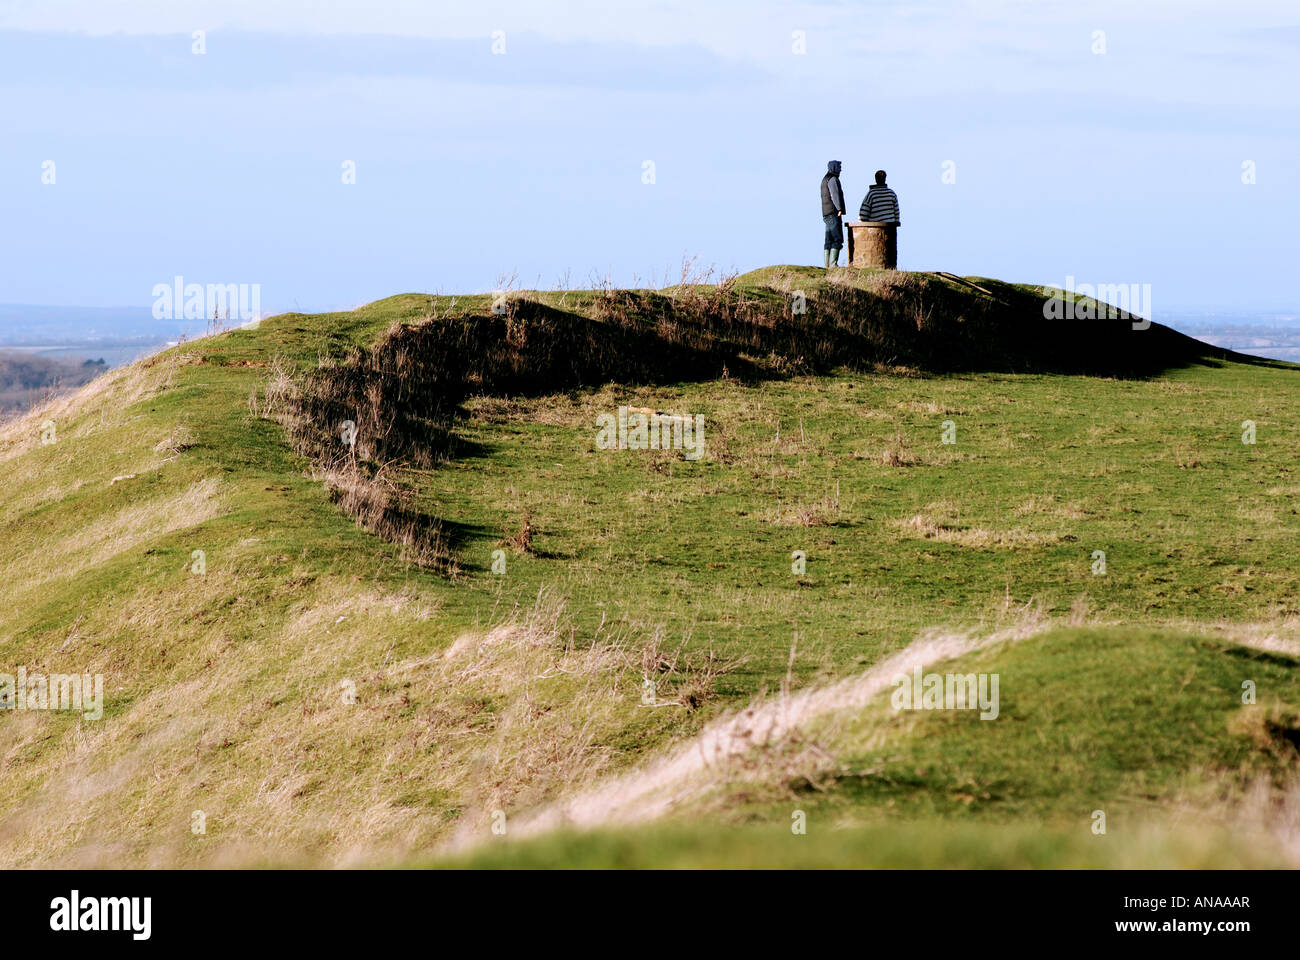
column 378, row 505
column 941, row 521
column 897, row 453
column 522, row 542
column 770, row 740
column 178, row 441
column 1262, row 812
column 1274, row 728
column 929, row 407
column 1280, row 636
column 366, row 754
column 128, row 528
column 115, row 392
column 826, row 512
column 1047, row 505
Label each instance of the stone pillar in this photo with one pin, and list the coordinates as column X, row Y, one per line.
column 873, row 244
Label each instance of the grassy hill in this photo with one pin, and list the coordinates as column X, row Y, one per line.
column 306, row 649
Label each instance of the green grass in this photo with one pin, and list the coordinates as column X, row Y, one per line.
column 1119, row 719
column 1153, row 473
column 223, row 689
column 915, row 845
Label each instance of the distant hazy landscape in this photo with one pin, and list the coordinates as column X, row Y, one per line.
column 1276, row 336
column 47, row 350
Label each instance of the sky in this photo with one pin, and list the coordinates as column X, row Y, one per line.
column 552, row 144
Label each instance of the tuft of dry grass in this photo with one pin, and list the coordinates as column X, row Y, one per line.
column 1274, row 728
column 178, row 441
column 941, row 521
column 522, row 542
column 897, row 453
column 381, row 507
column 826, row 512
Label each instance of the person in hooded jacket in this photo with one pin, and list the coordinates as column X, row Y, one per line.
column 832, row 211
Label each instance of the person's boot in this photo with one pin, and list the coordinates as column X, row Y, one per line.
column 828, row 260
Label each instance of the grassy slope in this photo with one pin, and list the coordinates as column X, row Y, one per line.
column 224, row 690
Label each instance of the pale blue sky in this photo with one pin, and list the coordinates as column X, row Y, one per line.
column 1122, row 167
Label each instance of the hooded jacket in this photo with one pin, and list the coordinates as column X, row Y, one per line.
column 832, row 195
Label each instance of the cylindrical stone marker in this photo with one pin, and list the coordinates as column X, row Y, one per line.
column 873, row 244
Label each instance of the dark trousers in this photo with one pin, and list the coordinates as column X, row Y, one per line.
column 834, row 232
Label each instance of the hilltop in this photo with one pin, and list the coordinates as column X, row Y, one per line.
column 334, row 644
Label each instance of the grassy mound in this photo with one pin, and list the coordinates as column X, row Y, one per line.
column 325, row 685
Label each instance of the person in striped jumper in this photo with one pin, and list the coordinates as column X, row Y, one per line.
column 880, row 203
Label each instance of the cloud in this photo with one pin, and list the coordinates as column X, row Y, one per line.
column 254, row 60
